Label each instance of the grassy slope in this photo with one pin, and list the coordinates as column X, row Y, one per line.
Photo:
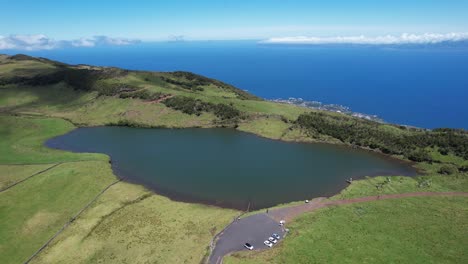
column 398, row 184
column 410, row 230
column 129, row 225
column 23, row 67
column 9, row 174
column 31, row 212
column 22, row 141
column 88, row 108
column 34, row 210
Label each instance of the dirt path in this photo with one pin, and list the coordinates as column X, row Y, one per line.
column 256, row 228
column 160, row 99
column 289, row 213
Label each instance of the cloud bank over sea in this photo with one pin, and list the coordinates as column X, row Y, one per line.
column 403, row 39
column 42, row 42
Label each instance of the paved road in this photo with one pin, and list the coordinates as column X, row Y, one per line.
column 257, row 228
column 253, row 229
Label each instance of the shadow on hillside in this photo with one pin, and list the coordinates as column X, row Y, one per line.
column 59, row 96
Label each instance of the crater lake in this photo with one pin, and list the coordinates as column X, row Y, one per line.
column 228, row 168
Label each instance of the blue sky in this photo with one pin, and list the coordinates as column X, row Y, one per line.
column 217, row 19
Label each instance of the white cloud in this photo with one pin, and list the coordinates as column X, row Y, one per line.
column 83, row 42
column 27, row 42
column 427, row 38
column 42, row 42
column 176, row 38
column 105, row 40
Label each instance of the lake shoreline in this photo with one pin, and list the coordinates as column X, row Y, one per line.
column 178, row 196
column 312, row 141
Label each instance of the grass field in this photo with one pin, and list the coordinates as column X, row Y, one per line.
column 10, row 174
column 131, row 225
column 398, row 184
column 410, row 230
column 89, row 109
column 22, row 68
column 32, row 211
column 22, row 141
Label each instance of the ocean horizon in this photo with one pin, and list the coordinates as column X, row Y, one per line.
column 424, row 86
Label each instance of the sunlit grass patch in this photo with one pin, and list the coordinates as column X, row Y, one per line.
column 130, row 224
column 10, row 174
column 32, row 211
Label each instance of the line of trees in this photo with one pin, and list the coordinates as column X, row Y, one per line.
column 194, row 106
column 194, row 81
column 390, row 139
column 192, row 86
column 143, row 94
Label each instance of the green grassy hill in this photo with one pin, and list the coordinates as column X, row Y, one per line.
column 98, row 95
column 40, row 99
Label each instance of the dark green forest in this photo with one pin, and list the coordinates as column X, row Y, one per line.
column 412, row 143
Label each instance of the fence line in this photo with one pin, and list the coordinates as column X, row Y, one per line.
column 29, row 177
column 70, row 221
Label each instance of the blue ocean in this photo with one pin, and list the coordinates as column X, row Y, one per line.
column 419, row 86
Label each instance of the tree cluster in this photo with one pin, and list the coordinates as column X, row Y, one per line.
column 192, row 86
column 411, row 143
column 193, row 106
column 143, row 94
column 191, row 80
column 448, row 170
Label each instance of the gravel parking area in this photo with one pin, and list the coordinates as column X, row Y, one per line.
column 253, row 229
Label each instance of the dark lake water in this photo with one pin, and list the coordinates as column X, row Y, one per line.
column 226, row 167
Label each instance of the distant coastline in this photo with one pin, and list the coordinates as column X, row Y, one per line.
column 400, row 85
column 327, row 107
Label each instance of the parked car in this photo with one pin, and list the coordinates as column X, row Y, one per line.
column 248, row 246
column 272, row 240
column 276, row 236
column 268, row 243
